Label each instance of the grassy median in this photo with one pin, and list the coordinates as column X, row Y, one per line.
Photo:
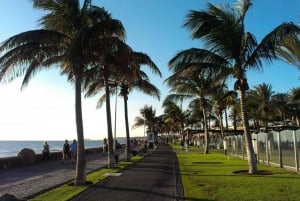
column 67, row 191
column 216, row 177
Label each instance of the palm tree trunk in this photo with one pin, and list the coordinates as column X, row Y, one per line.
column 206, row 134
column 80, row 177
column 234, row 120
column 248, row 139
column 127, row 151
column 221, row 125
column 226, row 118
column 111, row 155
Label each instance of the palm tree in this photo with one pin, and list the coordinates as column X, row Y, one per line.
column 174, row 113
column 289, row 50
column 68, row 34
column 100, row 75
column 234, row 116
column 232, row 50
column 130, row 80
column 280, row 103
column 221, row 97
column 264, row 96
column 254, row 113
column 294, row 104
column 125, row 73
column 187, row 85
column 148, row 118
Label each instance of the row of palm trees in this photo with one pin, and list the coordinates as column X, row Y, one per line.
column 229, row 52
column 265, row 108
column 88, row 45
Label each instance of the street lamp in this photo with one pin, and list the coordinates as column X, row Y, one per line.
column 144, row 125
column 115, row 133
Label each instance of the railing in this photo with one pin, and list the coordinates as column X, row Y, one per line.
column 279, row 146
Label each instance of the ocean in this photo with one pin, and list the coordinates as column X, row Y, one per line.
column 12, row 148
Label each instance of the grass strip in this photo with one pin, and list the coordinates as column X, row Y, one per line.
column 66, row 191
column 213, row 177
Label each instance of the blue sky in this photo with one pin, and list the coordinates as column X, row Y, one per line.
column 44, row 110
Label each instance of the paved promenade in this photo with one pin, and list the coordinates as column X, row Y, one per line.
column 155, row 177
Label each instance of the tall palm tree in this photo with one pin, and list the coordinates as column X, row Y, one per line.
column 133, row 78
column 66, row 38
column 100, row 75
column 129, row 76
column 232, row 50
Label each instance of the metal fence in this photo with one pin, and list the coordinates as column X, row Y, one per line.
column 278, row 146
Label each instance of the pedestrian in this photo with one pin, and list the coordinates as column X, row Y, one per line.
column 225, row 146
column 66, row 150
column 46, row 151
column 182, row 144
column 73, row 148
column 105, row 147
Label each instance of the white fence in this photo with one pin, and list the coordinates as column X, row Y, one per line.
column 279, row 146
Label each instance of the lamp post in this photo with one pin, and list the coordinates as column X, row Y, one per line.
column 144, row 125
column 115, row 133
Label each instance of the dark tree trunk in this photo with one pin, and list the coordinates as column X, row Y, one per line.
column 127, row 151
column 111, row 155
column 206, row 134
column 80, row 177
column 248, row 138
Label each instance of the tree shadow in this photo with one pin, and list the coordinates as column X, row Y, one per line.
column 208, row 163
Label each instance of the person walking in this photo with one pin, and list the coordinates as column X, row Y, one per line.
column 66, row 151
column 46, row 151
column 73, row 148
column 105, row 146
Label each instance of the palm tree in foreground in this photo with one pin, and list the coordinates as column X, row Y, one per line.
column 232, row 51
column 65, row 41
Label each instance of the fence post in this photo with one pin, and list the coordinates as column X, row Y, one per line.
column 279, row 149
column 296, row 151
column 268, row 147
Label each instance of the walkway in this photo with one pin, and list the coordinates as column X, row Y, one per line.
column 155, row 177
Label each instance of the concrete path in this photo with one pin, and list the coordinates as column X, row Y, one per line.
column 155, row 177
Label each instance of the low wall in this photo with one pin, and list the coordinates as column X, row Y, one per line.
column 17, row 161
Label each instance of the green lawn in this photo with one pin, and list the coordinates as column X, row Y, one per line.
column 211, row 177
